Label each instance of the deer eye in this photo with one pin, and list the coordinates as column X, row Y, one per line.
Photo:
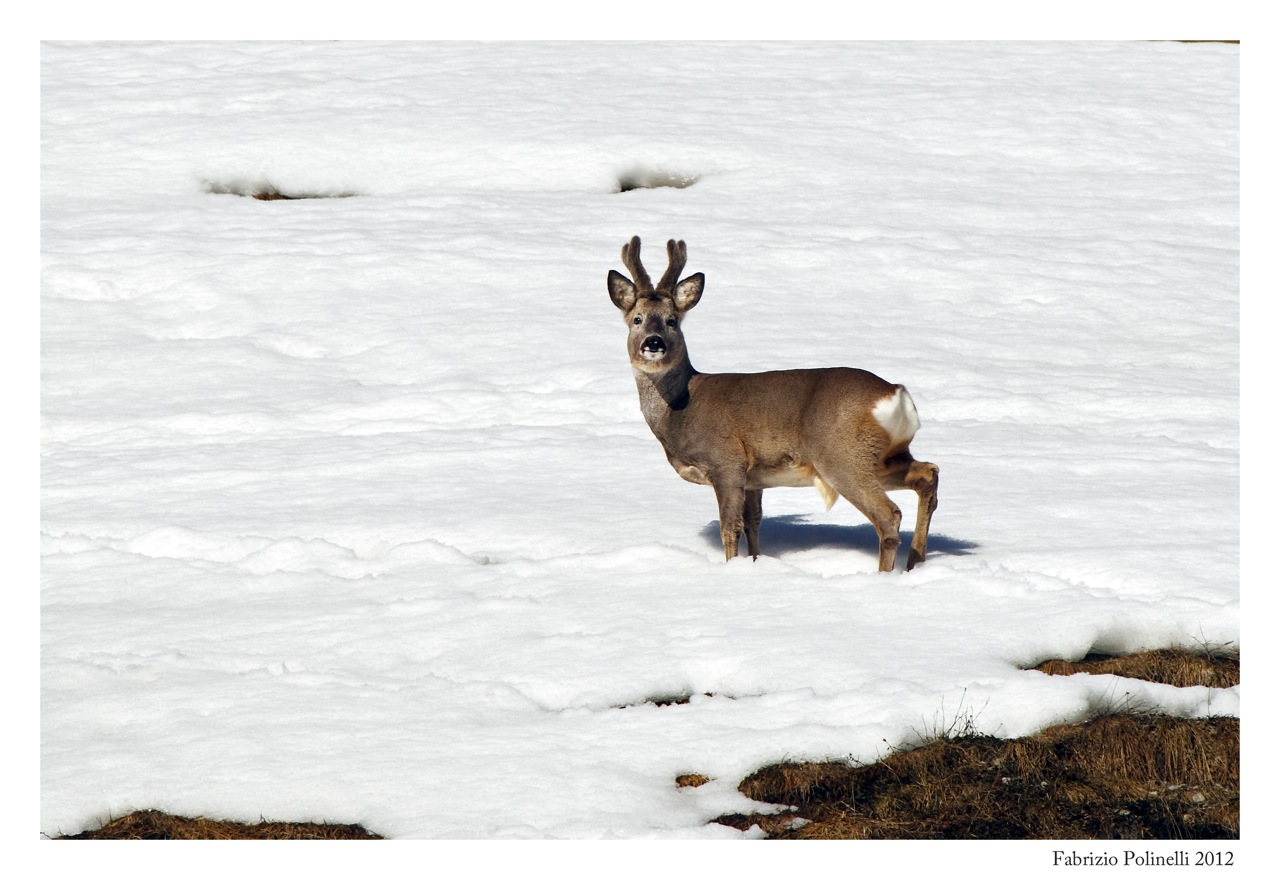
column 636, row 320
column 671, row 322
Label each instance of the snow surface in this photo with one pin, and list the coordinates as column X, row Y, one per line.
column 349, row 511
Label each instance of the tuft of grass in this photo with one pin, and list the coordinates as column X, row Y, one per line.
column 157, row 825
column 1136, row 776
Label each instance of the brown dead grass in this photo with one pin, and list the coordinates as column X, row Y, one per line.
column 1178, row 668
column 1115, row 777
column 155, row 825
column 691, row 780
column 1119, row 777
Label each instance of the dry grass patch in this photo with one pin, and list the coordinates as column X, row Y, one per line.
column 1118, row 777
column 1115, row 777
column 155, row 825
column 1178, row 668
column 691, row 780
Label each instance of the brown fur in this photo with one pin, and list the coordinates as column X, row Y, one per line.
column 742, row 433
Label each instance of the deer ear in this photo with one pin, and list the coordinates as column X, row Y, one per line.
column 689, row 291
column 621, row 290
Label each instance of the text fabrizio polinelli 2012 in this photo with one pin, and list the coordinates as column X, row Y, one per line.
column 1186, row 858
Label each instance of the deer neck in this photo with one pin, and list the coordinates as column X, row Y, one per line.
column 664, row 392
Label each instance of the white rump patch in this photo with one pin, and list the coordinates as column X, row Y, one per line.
column 897, row 415
column 828, row 494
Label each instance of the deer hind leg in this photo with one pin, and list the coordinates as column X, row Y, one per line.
column 904, row 472
column 887, row 518
column 752, row 513
column 876, row 506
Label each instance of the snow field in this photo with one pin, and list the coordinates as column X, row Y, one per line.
column 349, row 511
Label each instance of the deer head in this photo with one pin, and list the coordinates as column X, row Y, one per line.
column 653, row 315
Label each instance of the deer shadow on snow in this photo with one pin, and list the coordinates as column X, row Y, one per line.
column 794, row 533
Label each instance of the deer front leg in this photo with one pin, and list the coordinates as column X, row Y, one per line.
column 752, row 513
column 731, row 494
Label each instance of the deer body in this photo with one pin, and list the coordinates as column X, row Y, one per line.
column 842, row 430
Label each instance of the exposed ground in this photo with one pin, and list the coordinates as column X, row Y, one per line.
column 155, row 825
column 1178, row 668
column 1114, row 777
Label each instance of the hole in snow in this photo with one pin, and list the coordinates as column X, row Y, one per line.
column 649, row 178
column 675, row 699
column 679, row 698
column 265, row 191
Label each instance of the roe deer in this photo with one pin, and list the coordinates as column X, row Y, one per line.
column 841, row 430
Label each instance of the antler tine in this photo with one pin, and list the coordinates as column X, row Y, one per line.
column 676, row 257
column 631, row 259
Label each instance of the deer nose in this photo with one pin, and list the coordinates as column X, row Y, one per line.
column 653, row 348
